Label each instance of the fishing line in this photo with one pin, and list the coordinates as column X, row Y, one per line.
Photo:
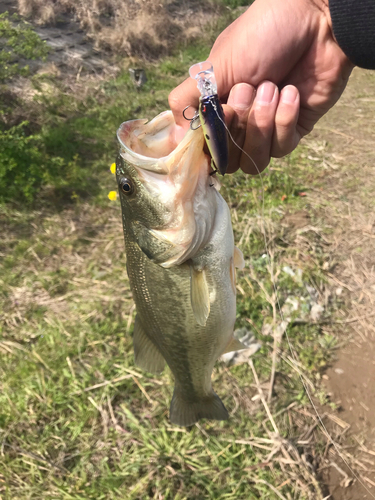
column 322, row 425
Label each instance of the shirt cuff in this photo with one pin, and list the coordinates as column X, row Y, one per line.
column 353, row 23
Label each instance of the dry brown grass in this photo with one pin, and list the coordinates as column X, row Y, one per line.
column 133, row 27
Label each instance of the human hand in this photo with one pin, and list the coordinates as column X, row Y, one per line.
column 287, row 45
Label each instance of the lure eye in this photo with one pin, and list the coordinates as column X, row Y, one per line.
column 126, row 186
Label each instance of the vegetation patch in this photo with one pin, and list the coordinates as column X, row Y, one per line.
column 17, row 41
column 144, row 29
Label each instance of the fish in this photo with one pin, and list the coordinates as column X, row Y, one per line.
column 180, row 260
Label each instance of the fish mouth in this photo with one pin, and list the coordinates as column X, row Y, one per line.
column 146, row 144
column 152, row 146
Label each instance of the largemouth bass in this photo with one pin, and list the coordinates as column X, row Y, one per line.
column 181, row 261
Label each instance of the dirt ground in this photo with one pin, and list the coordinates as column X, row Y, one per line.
column 344, row 148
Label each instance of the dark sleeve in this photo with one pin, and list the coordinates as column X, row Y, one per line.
column 353, row 24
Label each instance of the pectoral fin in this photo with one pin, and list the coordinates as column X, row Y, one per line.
column 234, row 345
column 146, row 354
column 239, row 261
column 200, row 297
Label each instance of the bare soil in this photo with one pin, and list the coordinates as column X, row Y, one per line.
column 344, row 145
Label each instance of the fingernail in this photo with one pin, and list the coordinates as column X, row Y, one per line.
column 265, row 93
column 242, row 95
column 289, row 94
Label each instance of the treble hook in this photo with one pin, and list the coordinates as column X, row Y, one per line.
column 191, row 120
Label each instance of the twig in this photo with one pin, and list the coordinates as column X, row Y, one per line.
column 262, row 481
column 347, row 480
column 368, row 481
column 142, row 389
column 353, row 320
column 277, row 336
column 102, row 384
column 262, row 398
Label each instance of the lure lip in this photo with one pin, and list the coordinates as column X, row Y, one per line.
column 203, row 73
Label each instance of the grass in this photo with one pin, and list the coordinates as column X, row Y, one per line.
column 77, row 419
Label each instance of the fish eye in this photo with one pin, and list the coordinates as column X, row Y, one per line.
column 127, row 186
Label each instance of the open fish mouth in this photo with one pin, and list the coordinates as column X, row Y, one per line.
column 146, row 144
column 151, row 146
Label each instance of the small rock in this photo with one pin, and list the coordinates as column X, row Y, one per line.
column 138, row 76
column 288, row 270
column 266, row 329
column 280, row 329
column 339, row 371
column 239, row 357
column 316, row 312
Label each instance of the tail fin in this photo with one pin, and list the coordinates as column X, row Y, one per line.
column 185, row 413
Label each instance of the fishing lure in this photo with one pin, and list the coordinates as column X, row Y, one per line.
column 211, row 115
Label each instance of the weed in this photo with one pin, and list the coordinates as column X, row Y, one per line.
column 17, row 40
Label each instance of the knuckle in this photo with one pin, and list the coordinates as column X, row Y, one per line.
column 173, row 99
column 285, row 120
column 262, row 120
column 284, row 145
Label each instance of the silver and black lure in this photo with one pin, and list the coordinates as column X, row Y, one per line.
column 211, row 115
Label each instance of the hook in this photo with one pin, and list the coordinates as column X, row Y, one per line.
column 183, row 114
column 191, row 120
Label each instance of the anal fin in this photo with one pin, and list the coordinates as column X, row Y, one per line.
column 200, row 297
column 146, row 354
column 234, row 345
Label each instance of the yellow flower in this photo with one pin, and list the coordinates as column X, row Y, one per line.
column 112, row 195
column 113, row 168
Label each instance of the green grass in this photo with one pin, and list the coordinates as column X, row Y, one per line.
column 77, row 419
column 18, row 40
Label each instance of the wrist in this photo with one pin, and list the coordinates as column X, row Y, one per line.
column 323, row 6
column 324, row 9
